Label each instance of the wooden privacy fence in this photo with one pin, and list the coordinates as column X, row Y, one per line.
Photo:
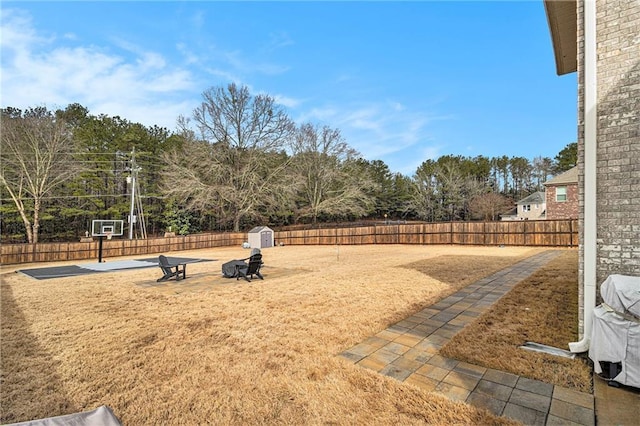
column 543, row 233
column 49, row 252
column 552, row 233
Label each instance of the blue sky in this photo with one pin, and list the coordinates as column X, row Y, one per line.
column 403, row 81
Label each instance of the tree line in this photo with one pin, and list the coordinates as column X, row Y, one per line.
column 239, row 160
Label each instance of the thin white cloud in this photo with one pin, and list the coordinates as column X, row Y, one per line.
column 365, row 119
column 278, row 40
column 388, row 131
column 241, row 63
column 17, row 30
column 380, row 128
column 223, row 75
column 397, row 106
column 34, row 71
column 189, row 56
column 323, row 115
column 287, row 101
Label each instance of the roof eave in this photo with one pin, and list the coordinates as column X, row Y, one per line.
column 563, row 25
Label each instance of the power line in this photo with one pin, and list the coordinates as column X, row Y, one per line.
column 84, row 196
column 120, row 153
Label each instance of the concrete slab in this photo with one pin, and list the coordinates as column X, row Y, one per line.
column 572, row 412
column 407, row 364
column 616, row 406
column 535, row 386
column 433, row 372
column 557, row 421
column 530, row 400
column 470, row 369
column 442, row 362
column 525, row 415
column 495, row 406
column 422, row 382
column 501, row 377
column 573, row 396
column 452, row 392
column 396, row 372
column 461, row 380
column 494, row 390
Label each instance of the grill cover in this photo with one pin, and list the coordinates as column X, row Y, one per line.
column 622, row 293
column 101, row 416
column 615, row 336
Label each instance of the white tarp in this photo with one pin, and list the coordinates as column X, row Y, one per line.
column 615, row 335
column 622, row 293
column 101, row 416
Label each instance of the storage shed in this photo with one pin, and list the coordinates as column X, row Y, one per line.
column 261, row 237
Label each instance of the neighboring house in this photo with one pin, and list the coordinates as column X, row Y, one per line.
column 529, row 208
column 562, row 195
column 600, row 39
column 510, row 215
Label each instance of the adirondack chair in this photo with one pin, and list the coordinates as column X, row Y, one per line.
column 250, row 269
column 178, row 270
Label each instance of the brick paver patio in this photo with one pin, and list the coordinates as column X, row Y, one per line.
column 408, row 351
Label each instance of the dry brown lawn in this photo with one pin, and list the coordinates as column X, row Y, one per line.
column 219, row 351
column 541, row 309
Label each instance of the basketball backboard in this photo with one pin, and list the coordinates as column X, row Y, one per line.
column 103, row 228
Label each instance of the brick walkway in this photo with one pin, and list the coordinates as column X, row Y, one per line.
column 408, row 352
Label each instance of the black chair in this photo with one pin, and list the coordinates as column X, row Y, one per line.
column 178, row 270
column 250, row 269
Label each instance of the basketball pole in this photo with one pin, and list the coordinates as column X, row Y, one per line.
column 100, row 248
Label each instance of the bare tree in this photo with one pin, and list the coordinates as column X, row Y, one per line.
column 489, row 206
column 425, row 199
column 237, row 170
column 36, row 159
column 328, row 181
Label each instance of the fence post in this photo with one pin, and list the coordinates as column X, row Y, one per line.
column 451, row 232
column 484, row 233
column 571, row 232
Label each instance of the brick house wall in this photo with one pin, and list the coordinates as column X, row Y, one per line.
column 618, row 138
column 562, row 209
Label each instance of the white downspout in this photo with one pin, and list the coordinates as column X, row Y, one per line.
column 590, row 232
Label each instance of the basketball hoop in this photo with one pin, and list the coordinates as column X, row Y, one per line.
column 108, row 235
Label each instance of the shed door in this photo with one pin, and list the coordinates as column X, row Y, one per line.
column 265, row 239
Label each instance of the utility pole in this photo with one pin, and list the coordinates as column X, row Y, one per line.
column 134, row 175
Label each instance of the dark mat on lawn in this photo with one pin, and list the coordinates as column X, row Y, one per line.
column 75, row 270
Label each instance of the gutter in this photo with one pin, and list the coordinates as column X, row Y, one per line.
column 590, row 231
